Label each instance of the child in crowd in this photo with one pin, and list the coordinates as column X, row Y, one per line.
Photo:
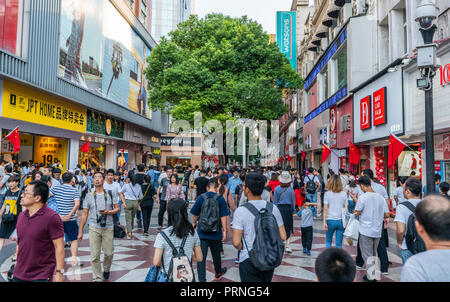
column 306, row 214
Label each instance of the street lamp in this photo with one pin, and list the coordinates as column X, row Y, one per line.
column 426, row 13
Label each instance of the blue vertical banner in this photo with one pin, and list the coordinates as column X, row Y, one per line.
column 287, row 35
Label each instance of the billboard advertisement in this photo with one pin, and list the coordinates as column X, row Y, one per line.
column 286, row 35
column 100, row 52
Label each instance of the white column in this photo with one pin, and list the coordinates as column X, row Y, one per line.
column 73, row 153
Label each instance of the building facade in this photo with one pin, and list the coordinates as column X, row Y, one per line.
column 166, row 14
column 71, row 73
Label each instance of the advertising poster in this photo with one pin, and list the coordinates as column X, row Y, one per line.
column 122, row 159
column 408, row 161
column 286, row 35
column 50, row 150
column 99, row 51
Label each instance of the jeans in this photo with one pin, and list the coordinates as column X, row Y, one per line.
column 120, row 208
column 215, row 246
column 405, row 255
column 162, row 210
column 307, row 237
column 147, row 214
column 101, row 239
column 249, row 273
column 351, row 206
column 334, row 225
column 312, row 197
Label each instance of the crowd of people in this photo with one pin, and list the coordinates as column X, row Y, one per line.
column 46, row 210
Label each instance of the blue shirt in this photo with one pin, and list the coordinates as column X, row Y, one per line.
column 151, row 173
column 65, row 196
column 306, row 215
column 284, row 196
column 425, row 190
column 233, row 183
column 52, row 204
column 223, row 209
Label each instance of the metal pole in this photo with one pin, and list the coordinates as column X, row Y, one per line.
column 244, row 163
column 429, row 139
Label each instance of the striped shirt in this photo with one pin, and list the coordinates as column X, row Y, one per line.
column 65, row 196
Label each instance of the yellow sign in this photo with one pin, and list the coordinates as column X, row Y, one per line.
column 22, row 103
column 156, row 151
column 50, row 150
column 108, row 126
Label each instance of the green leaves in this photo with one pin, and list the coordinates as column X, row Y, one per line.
column 221, row 66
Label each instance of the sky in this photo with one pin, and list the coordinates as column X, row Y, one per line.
column 263, row 11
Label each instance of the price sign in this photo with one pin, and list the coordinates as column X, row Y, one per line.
column 50, row 150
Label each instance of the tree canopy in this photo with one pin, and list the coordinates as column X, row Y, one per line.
column 221, row 66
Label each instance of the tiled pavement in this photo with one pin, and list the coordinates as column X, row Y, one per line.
column 133, row 258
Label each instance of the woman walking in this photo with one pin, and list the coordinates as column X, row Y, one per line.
column 351, row 189
column 147, row 202
column 10, row 210
column 130, row 194
column 335, row 200
column 274, row 182
column 179, row 230
column 175, row 189
column 284, row 199
column 226, row 194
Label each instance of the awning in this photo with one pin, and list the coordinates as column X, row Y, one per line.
column 321, row 32
column 327, row 21
column 333, row 11
column 339, row 3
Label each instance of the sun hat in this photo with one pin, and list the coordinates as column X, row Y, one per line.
column 285, row 177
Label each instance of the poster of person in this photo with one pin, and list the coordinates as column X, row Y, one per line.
column 408, row 161
column 183, row 270
column 122, row 160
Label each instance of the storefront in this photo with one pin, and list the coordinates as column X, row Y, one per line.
column 152, row 152
column 377, row 112
column 181, row 152
column 49, row 126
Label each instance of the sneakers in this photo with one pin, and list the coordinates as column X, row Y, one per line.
column 106, row 275
column 308, row 253
column 385, row 273
column 304, row 251
column 145, row 233
column 288, row 250
column 359, row 268
column 219, row 276
column 236, row 261
column 222, row 254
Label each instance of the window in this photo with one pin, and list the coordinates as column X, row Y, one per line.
column 323, row 85
column 341, row 68
column 405, row 32
column 13, row 26
column 131, row 4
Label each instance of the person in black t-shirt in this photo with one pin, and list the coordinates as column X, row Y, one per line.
column 201, row 182
column 147, row 202
column 140, row 180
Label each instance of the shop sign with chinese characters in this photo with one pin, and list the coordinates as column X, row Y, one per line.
column 26, row 104
column 50, row 150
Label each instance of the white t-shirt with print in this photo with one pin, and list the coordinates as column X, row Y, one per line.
column 372, row 207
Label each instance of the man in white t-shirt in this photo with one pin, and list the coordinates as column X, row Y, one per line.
column 114, row 187
column 344, row 178
column 371, row 209
column 244, row 229
column 412, row 189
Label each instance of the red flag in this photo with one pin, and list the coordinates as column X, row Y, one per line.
column 303, row 154
column 281, row 159
column 85, row 147
column 14, row 138
column 396, row 147
column 205, row 157
column 325, row 153
column 289, row 158
column 355, row 154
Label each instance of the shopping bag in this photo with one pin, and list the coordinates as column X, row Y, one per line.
column 352, row 229
column 156, row 274
column 345, row 217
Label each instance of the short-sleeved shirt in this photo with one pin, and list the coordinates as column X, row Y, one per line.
column 428, row 266
column 372, row 207
column 264, row 196
column 4, row 181
column 36, row 258
column 306, row 216
column 164, row 183
column 114, row 188
column 244, row 220
column 335, row 202
column 140, row 178
column 160, row 243
column 399, row 193
column 402, row 214
column 201, row 183
column 312, row 178
column 233, row 183
column 284, row 196
column 96, row 203
column 377, row 188
column 12, row 204
column 131, row 192
column 223, row 211
column 65, row 196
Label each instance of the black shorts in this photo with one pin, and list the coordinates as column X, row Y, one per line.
column 71, row 230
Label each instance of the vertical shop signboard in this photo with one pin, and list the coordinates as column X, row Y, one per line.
column 365, row 112
column 50, row 150
column 379, row 105
column 286, row 35
column 333, row 127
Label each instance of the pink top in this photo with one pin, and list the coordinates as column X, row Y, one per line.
column 174, row 192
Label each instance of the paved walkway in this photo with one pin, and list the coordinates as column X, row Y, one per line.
column 133, row 258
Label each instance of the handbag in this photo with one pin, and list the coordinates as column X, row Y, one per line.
column 352, row 229
column 156, row 274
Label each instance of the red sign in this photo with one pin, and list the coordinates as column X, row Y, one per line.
column 365, row 112
column 437, row 166
column 445, row 74
column 379, row 105
column 333, row 127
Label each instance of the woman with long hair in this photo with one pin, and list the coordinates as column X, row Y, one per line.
column 284, row 199
column 274, row 182
column 335, row 200
column 179, row 228
column 351, row 190
column 175, row 189
column 147, row 201
column 130, row 194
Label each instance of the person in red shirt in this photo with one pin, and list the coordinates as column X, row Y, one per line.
column 40, row 238
column 274, row 182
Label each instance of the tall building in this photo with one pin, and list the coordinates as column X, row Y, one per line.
column 166, row 14
column 142, row 9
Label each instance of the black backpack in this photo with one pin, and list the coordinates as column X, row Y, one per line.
column 268, row 248
column 209, row 220
column 311, row 186
column 414, row 243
